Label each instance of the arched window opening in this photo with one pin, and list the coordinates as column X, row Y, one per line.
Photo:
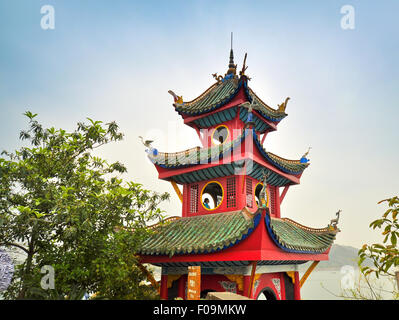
column 204, row 293
column 220, row 135
column 266, row 294
column 258, row 189
column 212, row 195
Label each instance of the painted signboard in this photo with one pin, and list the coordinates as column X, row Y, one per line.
column 194, row 283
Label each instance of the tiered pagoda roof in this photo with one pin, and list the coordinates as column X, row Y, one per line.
column 197, row 156
column 201, row 234
column 214, row 105
column 210, row 233
column 235, row 236
column 222, row 92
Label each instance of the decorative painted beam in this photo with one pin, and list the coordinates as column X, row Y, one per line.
column 237, row 100
column 201, row 137
column 264, row 137
column 284, row 193
column 177, row 190
column 291, row 274
column 252, row 280
column 269, row 123
column 308, row 272
column 297, row 287
column 149, row 276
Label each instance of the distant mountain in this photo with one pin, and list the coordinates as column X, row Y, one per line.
column 339, row 256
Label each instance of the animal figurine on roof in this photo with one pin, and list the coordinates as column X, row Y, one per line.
column 250, row 118
column 283, row 106
column 303, row 158
column 244, row 67
column 217, row 77
column 334, row 222
column 178, row 99
column 146, row 143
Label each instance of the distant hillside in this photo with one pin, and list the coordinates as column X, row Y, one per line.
column 339, row 256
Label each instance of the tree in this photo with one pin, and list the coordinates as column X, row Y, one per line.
column 64, row 207
column 384, row 258
column 386, row 255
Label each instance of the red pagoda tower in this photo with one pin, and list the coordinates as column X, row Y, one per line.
column 232, row 189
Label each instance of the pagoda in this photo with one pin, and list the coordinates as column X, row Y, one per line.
column 232, row 189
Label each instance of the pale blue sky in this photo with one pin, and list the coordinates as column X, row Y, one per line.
column 116, row 60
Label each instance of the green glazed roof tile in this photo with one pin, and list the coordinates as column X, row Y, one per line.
column 293, row 237
column 266, row 111
column 199, row 155
column 200, row 234
column 221, row 93
column 216, row 95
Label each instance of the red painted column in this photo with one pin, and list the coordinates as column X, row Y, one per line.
column 181, row 289
column 247, row 283
column 297, row 288
column 164, row 287
column 284, row 193
column 282, row 286
column 277, row 201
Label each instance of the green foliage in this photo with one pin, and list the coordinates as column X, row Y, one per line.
column 62, row 206
column 386, row 255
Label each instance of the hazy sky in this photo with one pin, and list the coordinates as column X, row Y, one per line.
column 116, row 60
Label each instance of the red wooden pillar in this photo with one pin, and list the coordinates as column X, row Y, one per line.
column 282, row 286
column 252, row 279
column 297, row 287
column 277, row 202
column 181, row 289
column 247, row 284
column 164, row 287
column 284, row 193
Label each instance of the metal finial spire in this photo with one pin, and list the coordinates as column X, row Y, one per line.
column 232, row 66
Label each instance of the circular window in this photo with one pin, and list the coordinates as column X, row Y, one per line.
column 258, row 189
column 212, row 195
column 220, row 135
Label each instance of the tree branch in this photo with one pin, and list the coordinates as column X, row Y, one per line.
column 15, row 245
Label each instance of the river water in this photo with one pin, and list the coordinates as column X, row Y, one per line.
column 337, row 285
column 329, row 284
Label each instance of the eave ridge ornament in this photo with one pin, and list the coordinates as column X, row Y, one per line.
column 334, row 222
column 303, row 158
column 283, row 106
column 217, row 77
column 244, row 67
column 250, row 117
column 178, row 99
column 147, row 143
